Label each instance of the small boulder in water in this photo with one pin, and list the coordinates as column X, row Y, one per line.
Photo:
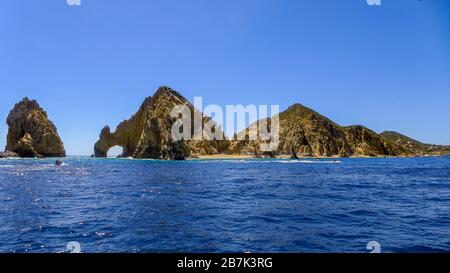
column 8, row 154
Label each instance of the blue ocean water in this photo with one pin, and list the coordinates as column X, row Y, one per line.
column 123, row 205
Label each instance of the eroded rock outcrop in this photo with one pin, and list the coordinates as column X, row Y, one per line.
column 147, row 134
column 31, row 133
column 303, row 133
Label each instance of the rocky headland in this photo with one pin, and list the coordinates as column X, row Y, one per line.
column 306, row 133
column 303, row 133
column 414, row 146
column 147, row 134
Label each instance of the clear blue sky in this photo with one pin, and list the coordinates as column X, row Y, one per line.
column 385, row 67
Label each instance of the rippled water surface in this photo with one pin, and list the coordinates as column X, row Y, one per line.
column 121, row 205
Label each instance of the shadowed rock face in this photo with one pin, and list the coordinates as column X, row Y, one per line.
column 365, row 142
column 147, row 134
column 31, row 133
column 304, row 132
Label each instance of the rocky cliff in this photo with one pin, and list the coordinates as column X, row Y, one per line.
column 306, row 133
column 147, row 134
column 303, row 133
column 31, row 133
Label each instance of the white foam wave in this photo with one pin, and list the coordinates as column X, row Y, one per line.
column 309, row 161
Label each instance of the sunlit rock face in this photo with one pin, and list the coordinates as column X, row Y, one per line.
column 306, row 133
column 31, row 133
column 147, row 134
column 302, row 133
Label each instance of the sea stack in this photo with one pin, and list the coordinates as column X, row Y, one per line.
column 31, row 133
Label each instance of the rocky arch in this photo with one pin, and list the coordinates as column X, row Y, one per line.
column 147, row 134
column 127, row 135
column 109, row 140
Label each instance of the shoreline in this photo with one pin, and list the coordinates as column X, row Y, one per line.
column 239, row 157
column 242, row 157
column 248, row 157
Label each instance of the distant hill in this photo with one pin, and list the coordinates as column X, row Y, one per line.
column 306, row 133
column 415, row 146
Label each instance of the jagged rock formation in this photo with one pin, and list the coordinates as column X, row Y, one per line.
column 414, row 146
column 147, row 134
column 306, row 133
column 31, row 133
column 303, row 133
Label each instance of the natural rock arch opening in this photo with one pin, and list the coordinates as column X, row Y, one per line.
column 147, row 134
column 115, row 151
column 109, row 140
